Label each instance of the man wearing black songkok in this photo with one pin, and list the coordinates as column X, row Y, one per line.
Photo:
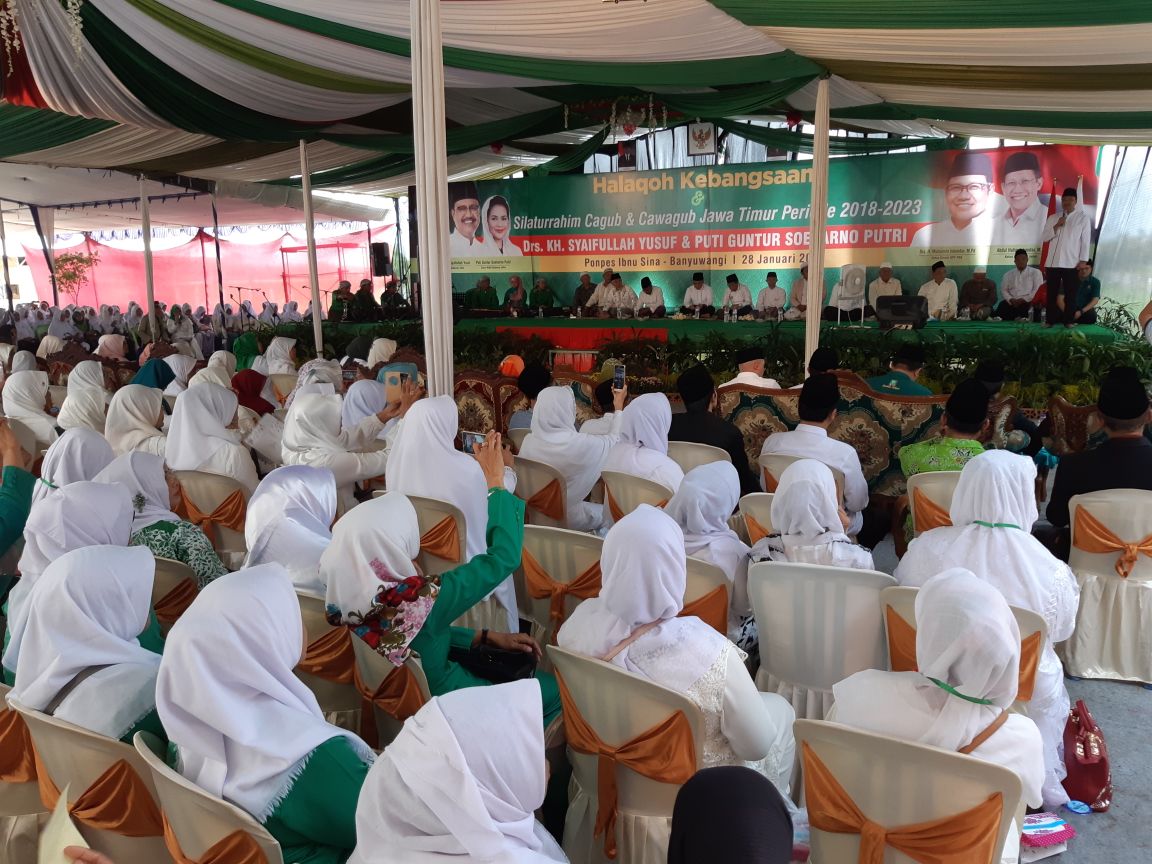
column 700, row 424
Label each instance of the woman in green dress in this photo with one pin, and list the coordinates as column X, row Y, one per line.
column 155, row 493
column 246, row 729
column 376, row 588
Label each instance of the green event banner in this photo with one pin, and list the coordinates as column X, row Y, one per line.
column 964, row 207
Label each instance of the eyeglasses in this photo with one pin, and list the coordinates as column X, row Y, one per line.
column 970, row 188
column 1019, row 184
column 467, row 208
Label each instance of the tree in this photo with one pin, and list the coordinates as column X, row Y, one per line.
column 72, row 271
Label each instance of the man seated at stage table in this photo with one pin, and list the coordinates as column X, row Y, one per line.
column 885, row 285
column 698, row 299
column 750, row 369
column 483, row 296
column 584, row 292
column 394, row 304
column 978, row 295
column 1018, row 288
column 1086, row 298
column 364, row 306
column 515, row 298
column 699, row 424
column 941, row 293
column 903, row 371
column 341, row 302
column 965, row 418
column 798, row 296
column 737, row 297
column 617, row 298
column 541, row 296
column 771, row 300
column 650, row 303
column 600, row 293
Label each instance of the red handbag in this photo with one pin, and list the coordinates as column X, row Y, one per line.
column 1086, row 758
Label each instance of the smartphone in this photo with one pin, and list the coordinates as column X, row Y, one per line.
column 618, row 378
column 469, row 440
column 349, row 375
column 403, row 378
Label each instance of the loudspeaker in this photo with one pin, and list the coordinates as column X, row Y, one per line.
column 906, row 313
column 381, row 259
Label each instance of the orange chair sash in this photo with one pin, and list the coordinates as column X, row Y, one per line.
column 614, row 508
column 549, row 500
column 1030, row 648
column 541, row 585
column 442, row 540
column 1094, row 536
column 756, row 531
column 17, row 756
column 964, row 838
column 331, row 657
column 665, row 753
column 398, row 695
column 175, row 603
column 711, row 608
column 237, row 848
column 770, row 482
column 229, row 513
column 927, row 514
column 117, row 801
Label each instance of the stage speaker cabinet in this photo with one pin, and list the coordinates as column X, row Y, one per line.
column 381, row 259
column 902, row 313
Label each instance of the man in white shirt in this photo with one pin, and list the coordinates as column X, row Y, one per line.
column 883, row 286
column 738, row 297
column 464, row 204
column 941, row 293
column 750, row 370
column 798, row 298
column 809, row 440
column 698, row 299
column 966, row 193
column 650, row 303
column 1069, row 238
column 771, row 300
column 618, row 297
column 602, row 292
column 1022, row 223
column 1018, row 288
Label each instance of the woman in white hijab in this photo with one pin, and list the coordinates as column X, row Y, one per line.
column 701, row 507
column 217, row 375
column 25, row 398
column 643, row 448
column 381, row 351
column 182, row 365
column 246, row 729
column 289, row 522
column 87, row 400
column 460, row 783
column 155, row 493
column 62, row 327
column 578, row 456
column 992, row 514
column 281, row 356
column 135, row 418
column 224, row 359
column 424, row 462
column 24, row 328
column 291, row 313
column 201, row 438
column 78, row 454
column 48, row 346
column 23, row 361
column 316, row 376
column 269, row 314
column 364, row 399
column 810, row 522
column 112, row 346
column 88, row 610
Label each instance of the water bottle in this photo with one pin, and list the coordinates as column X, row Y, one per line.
column 540, row 312
column 697, row 313
column 580, row 311
column 1043, row 315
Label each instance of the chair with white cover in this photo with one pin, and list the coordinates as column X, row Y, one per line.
column 517, row 436
column 617, row 708
column 930, row 499
column 899, row 609
column 282, row 385
column 544, row 491
column 332, row 665
column 860, row 781
column 19, row 794
column 707, row 594
column 108, row 784
column 396, row 692
column 625, row 492
column 222, row 504
column 689, row 455
column 57, row 394
column 756, row 513
column 817, row 625
column 174, row 587
column 1112, row 559
column 772, row 465
column 200, row 824
column 558, row 570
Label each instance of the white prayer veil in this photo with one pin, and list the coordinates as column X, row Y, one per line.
column 78, row 454
column 132, row 416
column 86, row 402
column 199, row 426
column 288, row 522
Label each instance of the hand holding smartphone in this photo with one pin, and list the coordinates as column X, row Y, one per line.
column 618, row 377
column 469, row 441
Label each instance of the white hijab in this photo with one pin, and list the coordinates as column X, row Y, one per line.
column 279, row 356
column 555, row 441
column 804, row 509
column 87, row 400
column 132, row 416
column 78, row 454
column 23, row 400
column 61, row 326
column 23, row 361
column 363, row 399
column 643, row 448
column 381, row 351
column 288, row 522
column 182, row 365
column 291, row 312
column 316, row 376
column 460, row 783
column 217, row 375
column 199, row 423
column 268, row 314
column 89, row 607
column 48, row 346
column 229, row 698
column 703, row 503
column 224, row 359
column 143, row 475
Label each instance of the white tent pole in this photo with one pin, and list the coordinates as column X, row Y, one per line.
column 432, row 193
column 818, row 222
column 149, row 287
column 4, row 261
column 310, row 233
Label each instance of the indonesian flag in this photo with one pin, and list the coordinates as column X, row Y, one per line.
column 1052, row 204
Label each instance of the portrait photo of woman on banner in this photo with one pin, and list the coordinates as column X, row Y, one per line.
column 496, row 223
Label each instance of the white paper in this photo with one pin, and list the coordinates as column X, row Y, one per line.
column 58, row 834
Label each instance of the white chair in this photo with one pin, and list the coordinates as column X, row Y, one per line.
column 16, row 799
column 756, row 514
column 58, row 394
column 208, row 492
column 174, row 587
column 517, row 436
column 626, row 492
column 707, row 585
column 282, row 385
column 564, row 557
column 76, row 758
column 340, row 701
column 198, row 820
column 544, row 491
column 817, row 625
column 689, row 455
column 620, row 706
column 930, row 499
column 897, row 783
column 773, row 465
column 373, row 670
column 1114, row 620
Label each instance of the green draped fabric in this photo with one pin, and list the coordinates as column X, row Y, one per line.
column 380, row 168
column 464, row 139
column 1000, row 117
column 574, row 158
column 25, row 130
column 784, row 139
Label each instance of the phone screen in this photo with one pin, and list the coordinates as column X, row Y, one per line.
column 469, row 440
column 618, row 378
column 350, row 374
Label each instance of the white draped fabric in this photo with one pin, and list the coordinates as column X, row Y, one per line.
column 288, row 522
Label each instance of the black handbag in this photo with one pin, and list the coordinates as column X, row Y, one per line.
column 495, row 664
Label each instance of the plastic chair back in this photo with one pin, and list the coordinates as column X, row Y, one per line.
column 757, row 506
column 773, row 465
column 17, row 799
column 897, row 783
column 208, row 491
column 531, row 478
column 563, row 555
column 517, row 436
column 430, row 512
column 704, row 577
column 689, row 455
column 373, row 670
column 937, row 486
column 199, row 820
column 170, row 575
column 332, row 696
column 282, row 385
column 630, row 491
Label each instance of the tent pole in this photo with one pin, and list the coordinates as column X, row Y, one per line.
column 310, row 233
column 149, row 288
column 219, row 267
column 4, row 258
column 47, row 241
column 818, row 221
column 432, row 193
